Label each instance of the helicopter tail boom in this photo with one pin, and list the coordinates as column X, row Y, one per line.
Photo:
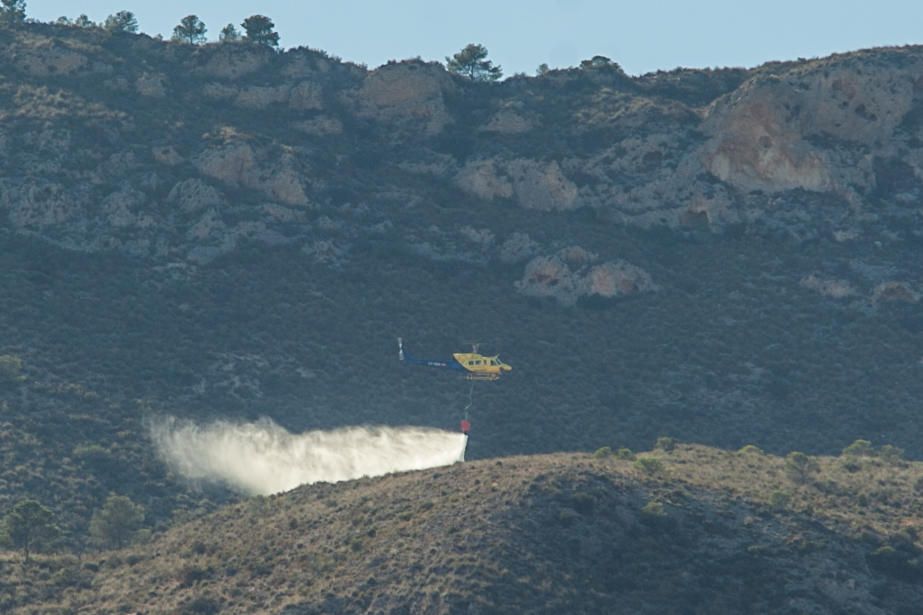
column 407, row 358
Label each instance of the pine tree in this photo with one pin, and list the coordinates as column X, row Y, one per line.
column 123, row 21
column 229, row 34
column 28, row 525
column 261, row 30
column 84, row 22
column 472, row 62
column 12, row 11
column 190, row 30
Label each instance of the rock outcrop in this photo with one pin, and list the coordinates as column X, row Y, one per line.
column 407, row 95
column 820, row 149
column 571, row 274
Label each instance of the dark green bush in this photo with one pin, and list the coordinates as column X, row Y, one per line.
column 859, row 448
column 665, row 443
column 649, row 465
column 799, row 466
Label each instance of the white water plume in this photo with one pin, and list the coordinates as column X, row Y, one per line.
column 264, row 458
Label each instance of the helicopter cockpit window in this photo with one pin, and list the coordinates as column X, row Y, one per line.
column 494, row 362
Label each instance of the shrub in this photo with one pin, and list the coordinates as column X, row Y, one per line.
column 654, row 515
column 91, row 452
column 649, row 465
column 603, row 453
column 902, row 563
column 653, row 508
column 116, row 523
column 851, row 465
column 203, row 605
column 625, row 453
column 799, row 466
column 779, row 500
column 665, row 443
column 859, row 448
column 10, row 368
column 583, row 503
column 750, row 449
column 890, row 453
column 190, row 575
column 567, row 517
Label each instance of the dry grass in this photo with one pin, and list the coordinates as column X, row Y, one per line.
column 571, row 532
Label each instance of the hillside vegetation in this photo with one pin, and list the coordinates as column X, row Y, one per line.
column 685, row 530
column 225, row 231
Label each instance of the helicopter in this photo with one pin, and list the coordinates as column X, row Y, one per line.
column 474, row 365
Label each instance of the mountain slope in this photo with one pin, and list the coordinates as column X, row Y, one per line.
column 727, row 256
column 689, row 530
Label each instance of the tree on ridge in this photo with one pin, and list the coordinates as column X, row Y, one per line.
column 261, row 30
column 123, row 21
column 229, row 34
column 190, row 30
column 472, row 62
column 12, row 11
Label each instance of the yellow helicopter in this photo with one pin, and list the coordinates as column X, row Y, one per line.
column 475, row 365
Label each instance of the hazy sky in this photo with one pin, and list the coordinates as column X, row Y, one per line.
column 641, row 35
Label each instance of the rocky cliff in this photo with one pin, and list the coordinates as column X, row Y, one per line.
column 179, row 153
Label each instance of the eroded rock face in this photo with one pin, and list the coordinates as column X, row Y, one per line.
column 192, row 195
column 895, row 291
column 816, row 149
column 236, row 163
column 306, row 96
column 37, row 205
column 569, row 275
column 756, row 154
column 829, row 287
column 125, row 209
column 232, row 61
column 409, row 94
column 510, row 122
column 166, row 154
column 542, row 186
column 534, row 184
column 484, row 180
column 261, row 97
column 319, row 126
column 616, row 279
column 765, row 136
column 517, row 248
column 231, row 163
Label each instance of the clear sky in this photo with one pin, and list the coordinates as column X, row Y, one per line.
column 641, row 35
